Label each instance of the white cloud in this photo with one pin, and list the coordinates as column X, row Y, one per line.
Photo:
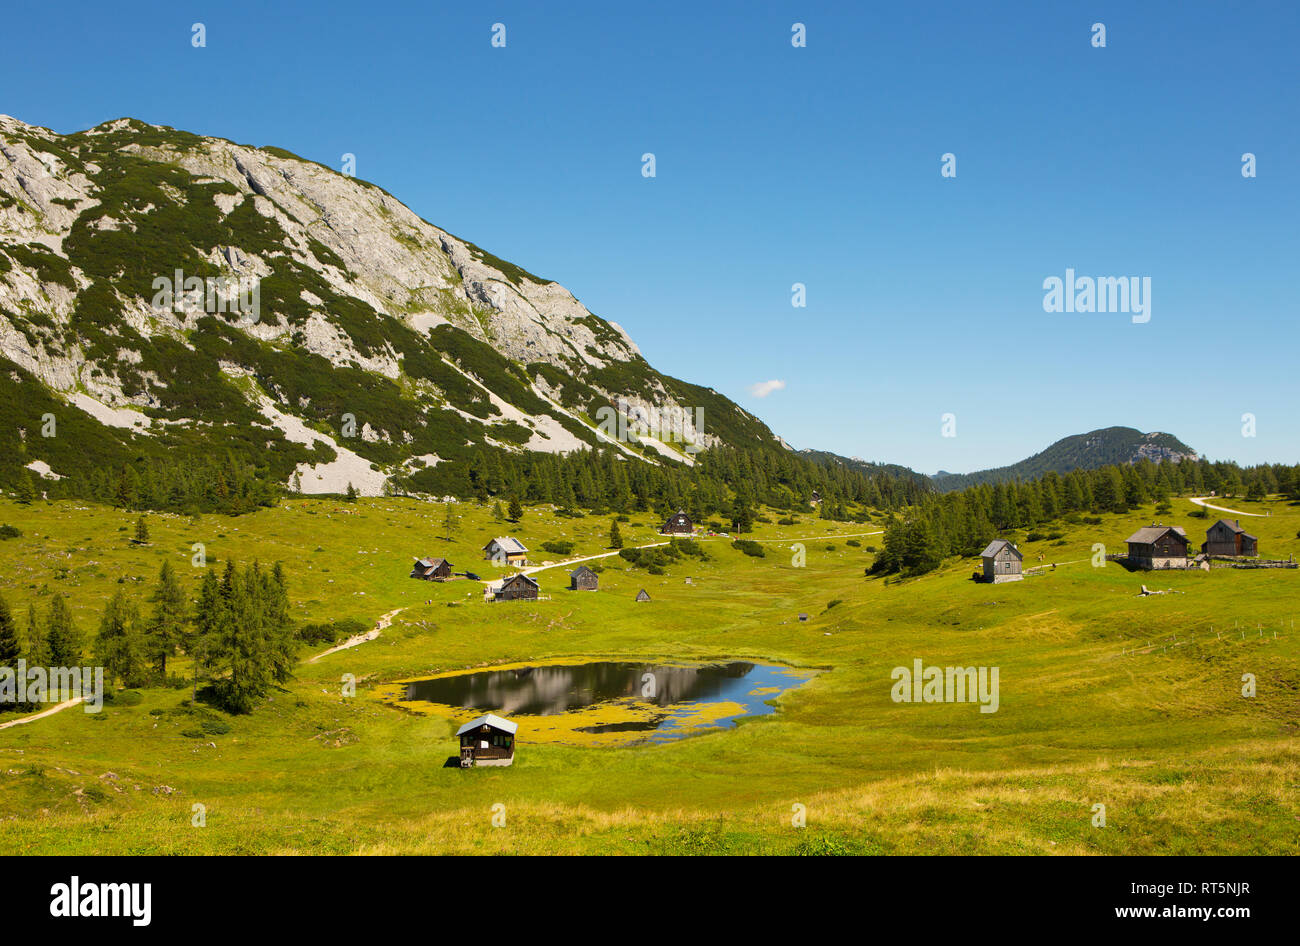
column 764, row 388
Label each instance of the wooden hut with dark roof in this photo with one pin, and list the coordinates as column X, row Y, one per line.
column 583, row 578
column 431, row 569
column 1229, row 538
column 517, row 588
column 1002, row 562
column 1157, row 546
column 677, row 524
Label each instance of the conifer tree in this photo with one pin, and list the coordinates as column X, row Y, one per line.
column 166, row 628
column 10, row 646
column 516, row 510
column 141, row 531
column 38, row 647
column 10, row 649
column 615, row 537
column 26, row 488
column 64, row 640
column 118, row 647
column 209, row 618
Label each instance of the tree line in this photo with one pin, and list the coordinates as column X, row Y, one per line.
column 238, row 633
column 962, row 523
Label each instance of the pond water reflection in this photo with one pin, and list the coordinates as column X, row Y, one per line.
column 663, row 701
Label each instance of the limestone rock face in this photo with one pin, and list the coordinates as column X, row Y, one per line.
column 346, row 274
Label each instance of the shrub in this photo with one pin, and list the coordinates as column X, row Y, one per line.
column 331, row 632
column 854, row 543
column 559, row 547
column 749, row 547
column 10, row 532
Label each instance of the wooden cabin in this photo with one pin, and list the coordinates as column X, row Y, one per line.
column 1157, row 546
column 677, row 524
column 1002, row 562
column 517, row 588
column 583, row 578
column 642, row 596
column 431, row 569
column 488, row 740
column 506, row 550
column 1229, row 538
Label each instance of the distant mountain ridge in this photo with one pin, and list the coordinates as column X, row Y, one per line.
column 1097, row 448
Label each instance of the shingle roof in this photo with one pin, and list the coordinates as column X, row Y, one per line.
column 489, row 719
column 1148, row 534
column 1231, row 524
column 507, row 581
column 996, row 546
column 581, row 569
column 430, row 562
column 507, row 544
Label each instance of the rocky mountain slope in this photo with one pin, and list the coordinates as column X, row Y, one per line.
column 166, row 294
column 1083, row 451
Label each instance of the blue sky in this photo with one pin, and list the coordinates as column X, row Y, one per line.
column 818, row 165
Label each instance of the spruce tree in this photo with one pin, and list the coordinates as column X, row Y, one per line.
column 209, row 617
column 516, row 510
column 26, row 487
column 448, row 522
column 352, row 493
column 38, row 647
column 166, row 628
column 64, row 641
column 118, row 647
column 497, row 513
column 615, row 537
column 10, row 648
column 141, row 531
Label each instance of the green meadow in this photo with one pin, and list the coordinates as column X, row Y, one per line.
column 1107, row 698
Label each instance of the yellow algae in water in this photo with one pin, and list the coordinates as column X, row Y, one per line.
column 610, row 721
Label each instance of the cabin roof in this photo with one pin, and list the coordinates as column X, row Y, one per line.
column 430, row 562
column 1233, row 526
column 489, row 719
column 520, row 575
column 1148, row 534
column 507, row 544
column 997, row 545
column 581, row 570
